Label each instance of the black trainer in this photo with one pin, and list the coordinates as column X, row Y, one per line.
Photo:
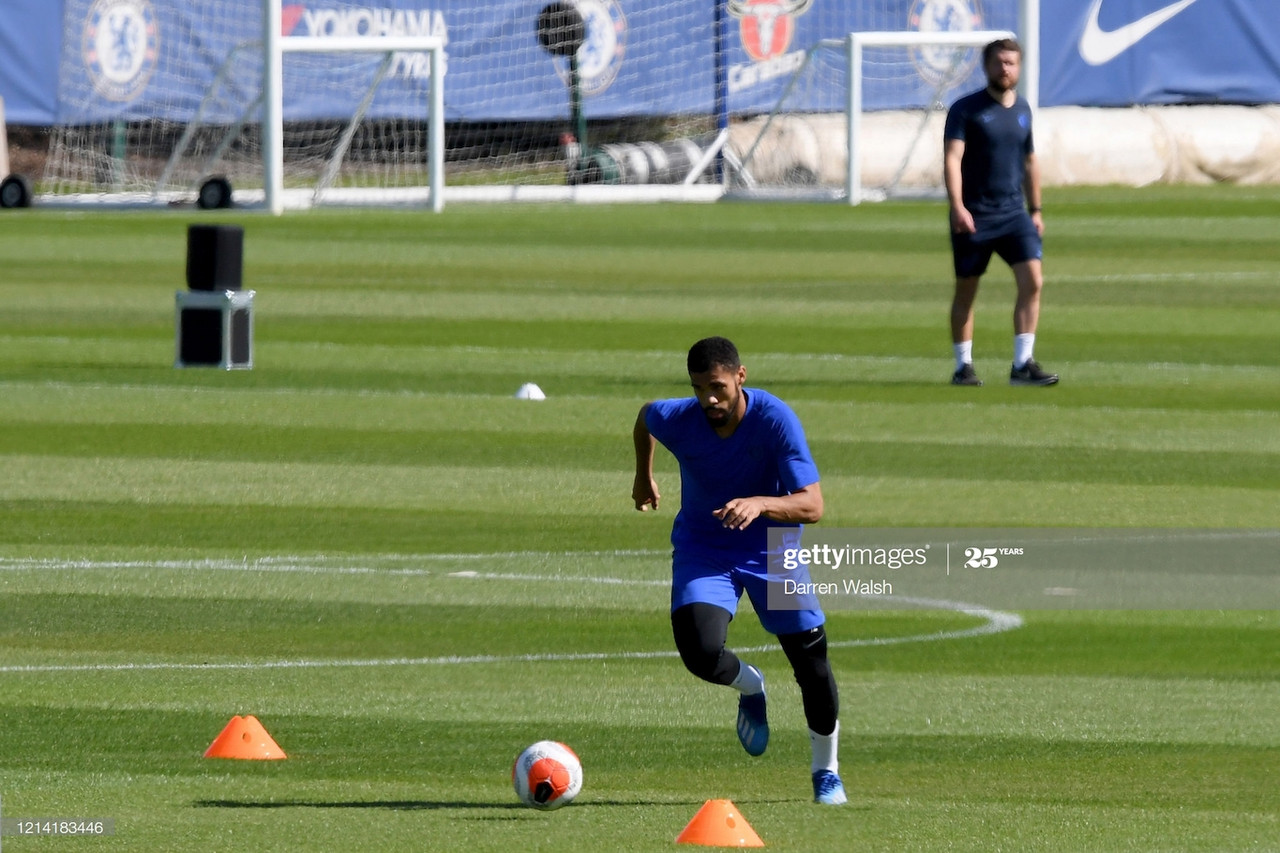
column 1031, row 374
column 965, row 376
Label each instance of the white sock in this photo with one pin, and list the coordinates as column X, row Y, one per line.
column 749, row 680
column 824, row 750
column 1022, row 346
column 964, row 353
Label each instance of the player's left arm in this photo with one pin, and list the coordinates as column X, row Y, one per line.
column 803, row 506
column 1032, row 186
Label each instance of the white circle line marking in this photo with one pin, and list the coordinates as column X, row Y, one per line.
column 994, row 622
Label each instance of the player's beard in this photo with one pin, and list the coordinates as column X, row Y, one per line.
column 1003, row 83
column 716, row 417
column 719, row 417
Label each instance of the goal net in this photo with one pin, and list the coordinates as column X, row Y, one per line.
column 300, row 102
column 821, row 140
column 284, row 121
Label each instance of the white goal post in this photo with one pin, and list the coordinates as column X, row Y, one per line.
column 273, row 87
column 4, row 144
column 855, row 42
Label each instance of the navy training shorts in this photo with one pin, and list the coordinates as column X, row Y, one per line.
column 1014, row 239
column 710, row 576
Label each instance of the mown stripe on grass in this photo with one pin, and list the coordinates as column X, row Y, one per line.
column 319, row 467
column 547, row 490
column 185, row 519
column 238, row 527
column 1049, row 420
column 409, row 463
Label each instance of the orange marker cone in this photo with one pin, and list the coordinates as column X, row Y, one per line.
column 244, row 737
column 719, row 824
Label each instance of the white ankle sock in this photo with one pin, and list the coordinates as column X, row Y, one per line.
column 1022, row 346
column 963, row 352
column 749, row 680
column 825, row 748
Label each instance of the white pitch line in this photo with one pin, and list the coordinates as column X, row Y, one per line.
column 302, row 565
column 995, row 621
column 499, row 576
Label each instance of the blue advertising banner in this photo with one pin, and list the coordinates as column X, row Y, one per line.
column 138, row 60
column 1122, row 52
column 82, row 61
column 30, row 32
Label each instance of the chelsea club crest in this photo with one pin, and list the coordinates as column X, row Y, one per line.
column 938, row 65
column 120, row 47
column 602, row 52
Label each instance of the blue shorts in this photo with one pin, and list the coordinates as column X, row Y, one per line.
column 1014, row 239
column 720, row 578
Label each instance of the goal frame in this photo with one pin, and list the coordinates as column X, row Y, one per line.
column 276, row 45
column 854, row 44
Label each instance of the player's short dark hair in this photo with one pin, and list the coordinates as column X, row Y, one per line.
column 998, row 46
column 713, row 352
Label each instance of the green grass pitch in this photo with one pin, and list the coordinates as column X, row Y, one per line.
column 407, row 575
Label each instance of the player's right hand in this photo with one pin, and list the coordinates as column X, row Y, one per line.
column 645, row 493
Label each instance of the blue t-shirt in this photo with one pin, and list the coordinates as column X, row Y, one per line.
column 997, row 141
column 766, row 455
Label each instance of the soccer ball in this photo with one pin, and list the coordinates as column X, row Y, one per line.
column 547, row 775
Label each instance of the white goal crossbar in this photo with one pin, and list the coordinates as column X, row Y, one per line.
column 854, row 44
column 273, row 89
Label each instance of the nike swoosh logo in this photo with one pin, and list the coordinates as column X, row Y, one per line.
column 1098, row 46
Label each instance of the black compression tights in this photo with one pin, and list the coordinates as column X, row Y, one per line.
column 700, row 631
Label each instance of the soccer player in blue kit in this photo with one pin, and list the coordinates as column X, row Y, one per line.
column 745, row 466
column 990, row 170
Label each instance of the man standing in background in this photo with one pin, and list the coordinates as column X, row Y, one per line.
column 990, row 169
